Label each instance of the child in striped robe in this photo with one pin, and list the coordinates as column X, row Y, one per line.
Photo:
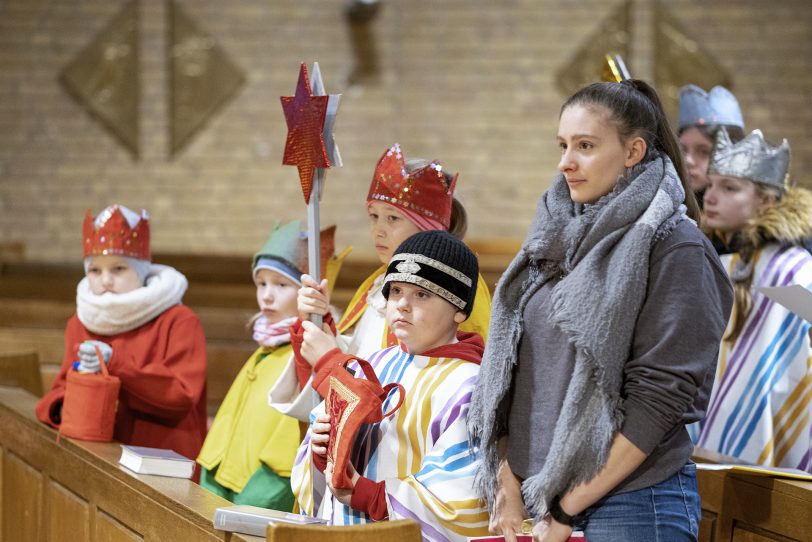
column 417, row 463
column 759, row 409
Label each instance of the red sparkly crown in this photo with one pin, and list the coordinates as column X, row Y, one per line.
column 115, row 236
column 425, row 191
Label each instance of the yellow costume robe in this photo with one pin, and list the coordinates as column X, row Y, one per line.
column 247, row 435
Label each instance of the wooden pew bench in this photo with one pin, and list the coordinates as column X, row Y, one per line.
column 741, row 507
column 75, row 491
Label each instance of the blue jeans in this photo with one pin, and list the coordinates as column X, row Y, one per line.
column 665, row 512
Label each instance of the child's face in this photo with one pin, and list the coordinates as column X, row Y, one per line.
column 420, row 319
column 112, row 274
column 389, row 228
column 276, row 295
column 730, row 202
column 697, row 149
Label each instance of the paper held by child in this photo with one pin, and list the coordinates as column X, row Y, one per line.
column 796, row 298
column 253, row 520
column 156, row 461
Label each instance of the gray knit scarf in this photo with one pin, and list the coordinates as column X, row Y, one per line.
column 602, row 253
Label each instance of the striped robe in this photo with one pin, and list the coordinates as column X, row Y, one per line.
column 760, row 406
column 422, row 451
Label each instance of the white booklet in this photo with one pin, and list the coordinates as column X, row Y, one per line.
column 254, row 520
column 796, row 298
column 157, row 461
column 777, row 472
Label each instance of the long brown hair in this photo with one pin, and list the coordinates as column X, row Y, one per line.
column 636, row 110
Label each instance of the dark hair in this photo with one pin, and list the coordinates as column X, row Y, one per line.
column 736, row 133
column 635, row 110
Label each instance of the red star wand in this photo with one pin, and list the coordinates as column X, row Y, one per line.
column 310, row 147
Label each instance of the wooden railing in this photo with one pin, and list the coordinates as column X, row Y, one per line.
column 75, row 491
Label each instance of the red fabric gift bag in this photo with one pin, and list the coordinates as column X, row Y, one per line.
column 89, row 406
column 351, row 402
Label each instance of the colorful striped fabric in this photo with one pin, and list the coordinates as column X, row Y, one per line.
column 760, row 406
column 422, row 451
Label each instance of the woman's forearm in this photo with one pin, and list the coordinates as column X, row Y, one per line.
column 624, row 458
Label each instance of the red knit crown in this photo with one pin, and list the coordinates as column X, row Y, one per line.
column 115, row 236
column 424, row 191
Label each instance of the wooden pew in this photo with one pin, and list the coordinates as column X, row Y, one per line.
column 21, row 370
column 739, row 507
column 75, row 491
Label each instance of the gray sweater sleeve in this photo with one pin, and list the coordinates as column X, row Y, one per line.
column 668, row 378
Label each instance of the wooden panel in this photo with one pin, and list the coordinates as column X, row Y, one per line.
column 87, row 481
column 47, row 343
column 2, row 500
column 743, row 534
column 110, row 530
column 707, row 526
column 21, row 370
column 68, row 515
column 22, row 499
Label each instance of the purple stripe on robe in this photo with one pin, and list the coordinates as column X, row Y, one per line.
column 745, row 343
column 455, row 406
column 428, row 531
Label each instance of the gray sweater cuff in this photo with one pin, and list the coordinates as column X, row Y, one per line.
column 644, row 429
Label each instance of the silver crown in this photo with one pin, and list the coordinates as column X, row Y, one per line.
column 751, row 158
column 719, row 106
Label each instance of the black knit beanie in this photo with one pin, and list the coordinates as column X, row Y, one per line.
column 438, row 262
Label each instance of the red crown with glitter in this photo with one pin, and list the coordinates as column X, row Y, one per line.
column 425, row 191
column 115, row 236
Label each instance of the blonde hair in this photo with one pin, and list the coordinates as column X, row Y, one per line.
column 742, row 298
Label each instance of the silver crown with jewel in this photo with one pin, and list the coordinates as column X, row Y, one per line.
column 751, row 158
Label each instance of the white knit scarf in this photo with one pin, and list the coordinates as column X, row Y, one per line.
column 110, row 314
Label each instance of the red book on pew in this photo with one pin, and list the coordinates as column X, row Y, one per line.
column 574, row 537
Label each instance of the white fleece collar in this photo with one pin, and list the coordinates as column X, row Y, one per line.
column 110, row 314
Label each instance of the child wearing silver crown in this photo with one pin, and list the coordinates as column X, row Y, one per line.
column 758, row 409
column 418, row 463
column 131, row 311
column 249, row 451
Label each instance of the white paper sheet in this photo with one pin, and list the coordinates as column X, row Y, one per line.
column 796, row 298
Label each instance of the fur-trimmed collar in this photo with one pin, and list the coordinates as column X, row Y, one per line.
column 787, row 221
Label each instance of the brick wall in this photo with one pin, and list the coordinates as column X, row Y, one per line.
column 467, row 81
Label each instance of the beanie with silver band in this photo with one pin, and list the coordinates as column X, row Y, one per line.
column 438, row 262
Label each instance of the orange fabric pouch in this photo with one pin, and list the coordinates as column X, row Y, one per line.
column 351, row 402
column 89, row 406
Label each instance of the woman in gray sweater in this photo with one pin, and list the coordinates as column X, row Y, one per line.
column 604, row 336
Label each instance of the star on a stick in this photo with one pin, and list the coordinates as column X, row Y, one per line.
column 304, row 148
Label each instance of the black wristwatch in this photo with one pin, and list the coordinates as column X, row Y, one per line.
column 558, row 514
